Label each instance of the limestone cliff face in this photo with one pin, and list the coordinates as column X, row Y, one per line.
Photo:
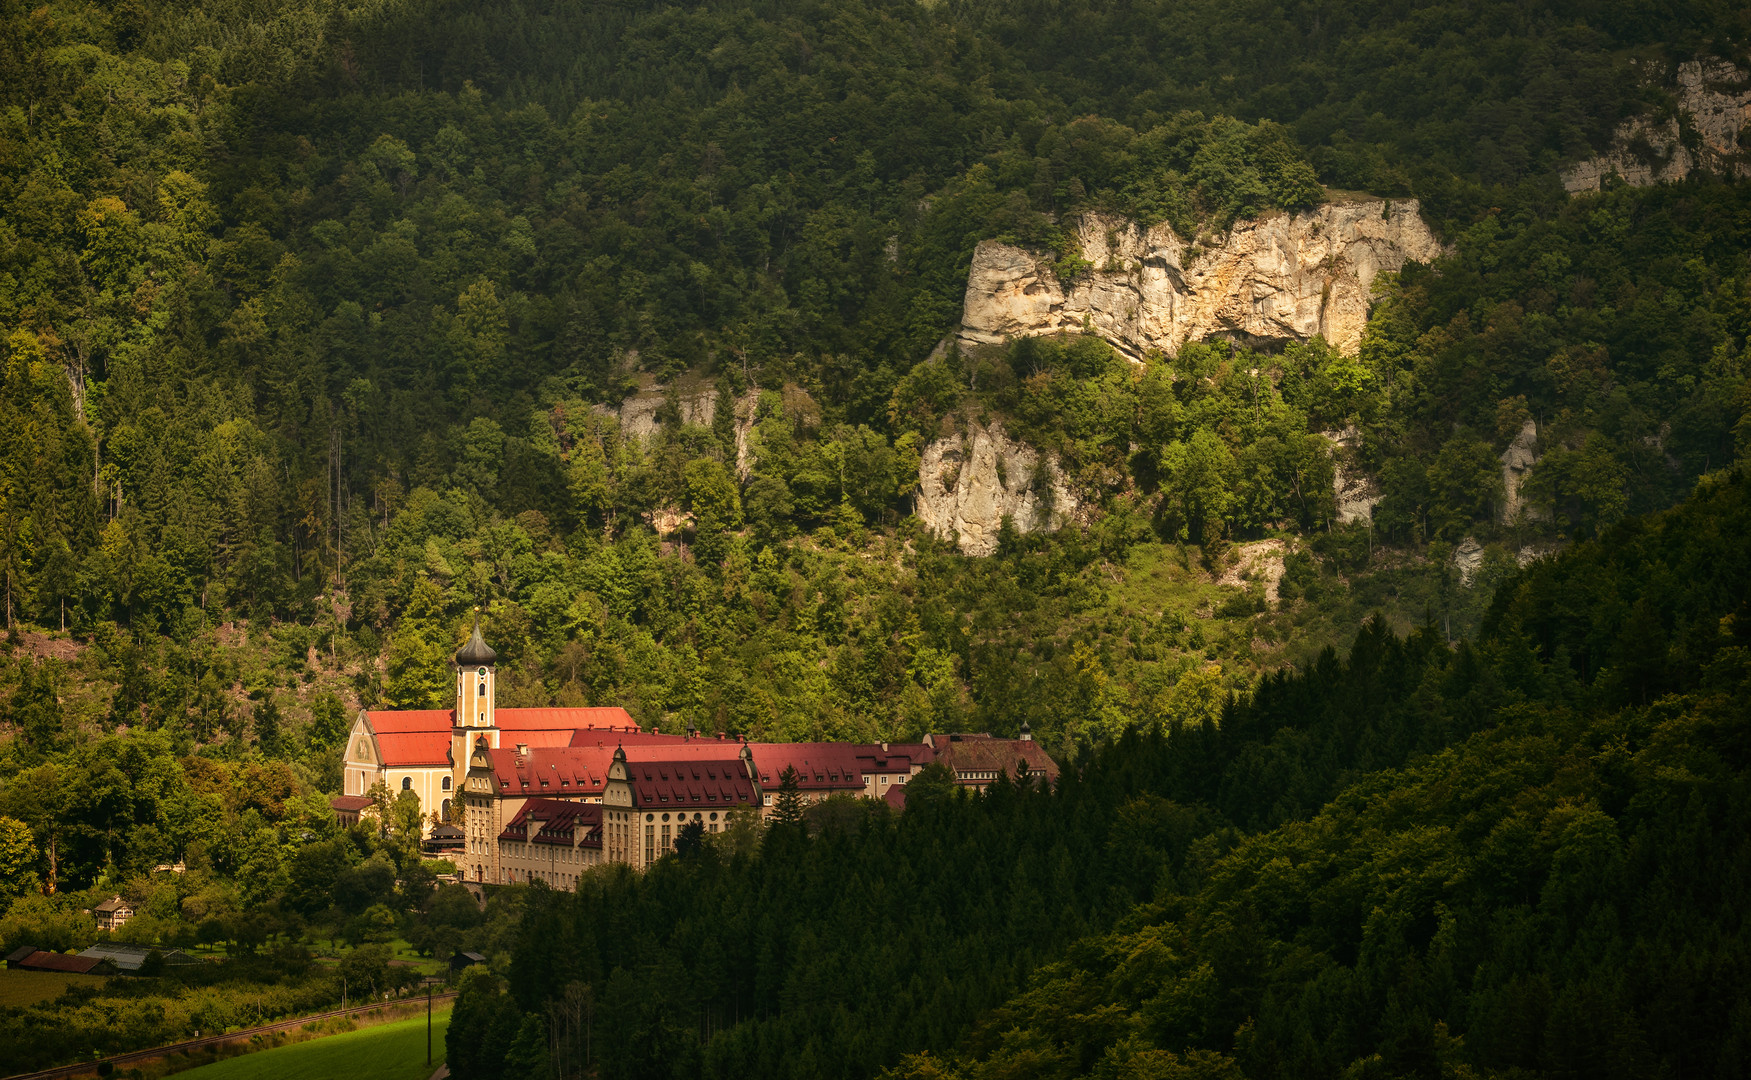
column 1282, row 277
column 1713, row 98
column 967, row 484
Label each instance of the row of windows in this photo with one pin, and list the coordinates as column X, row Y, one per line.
column 563, row 881
column 407, row 783
column 518, row 849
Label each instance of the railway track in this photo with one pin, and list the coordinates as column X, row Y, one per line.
column 90, row 1067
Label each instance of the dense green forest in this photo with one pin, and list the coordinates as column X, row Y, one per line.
column 307, row 308
column 314, row 318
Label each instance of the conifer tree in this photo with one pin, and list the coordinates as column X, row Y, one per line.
column 787, row 812
column 690, row 840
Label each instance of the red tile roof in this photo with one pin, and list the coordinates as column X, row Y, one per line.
column 414, row 749
column 535, row 737
column 614, row 718
column 691, row 784
column 351, row 803
column 48, row 961
column 551, row 771
column 897, row 758
column 552, row 821
column 820, row 766
column 695, row 750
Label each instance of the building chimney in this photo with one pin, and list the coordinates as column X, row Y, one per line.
column 522, row 749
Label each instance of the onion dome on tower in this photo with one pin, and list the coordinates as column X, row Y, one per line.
column 475, row 652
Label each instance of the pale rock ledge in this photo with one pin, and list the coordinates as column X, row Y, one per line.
column 1281, row 277
column 967, row 484
column 1714, row 99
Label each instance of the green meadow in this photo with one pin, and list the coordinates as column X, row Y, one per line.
column 395, row 1051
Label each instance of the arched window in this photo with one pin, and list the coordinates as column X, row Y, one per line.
column 445, row 810
column 446, row 783
column 407, row 783
column 480, row 691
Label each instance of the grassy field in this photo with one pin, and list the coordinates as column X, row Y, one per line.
column 19, row 988
column 394, row 1051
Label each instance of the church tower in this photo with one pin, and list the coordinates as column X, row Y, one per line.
column 476, row 711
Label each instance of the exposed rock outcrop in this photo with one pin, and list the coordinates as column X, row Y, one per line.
column 1281, row 277
column 638, row 414
column 1713, row 99
column 1517, row 462
column 696, row 402
column 1468, row 560
column 1531, row 553
column 1354, row 491
column 967, row 484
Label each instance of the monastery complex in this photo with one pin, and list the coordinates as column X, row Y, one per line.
column 521, row 795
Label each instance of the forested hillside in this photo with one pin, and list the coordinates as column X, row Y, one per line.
column 1526, row 853
column 316, row 319
column 307, row 306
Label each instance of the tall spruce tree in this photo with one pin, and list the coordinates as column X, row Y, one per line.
column 787, row 812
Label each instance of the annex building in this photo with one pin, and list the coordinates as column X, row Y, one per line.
column 546, row 794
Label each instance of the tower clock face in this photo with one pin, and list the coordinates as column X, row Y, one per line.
column 483, row 673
